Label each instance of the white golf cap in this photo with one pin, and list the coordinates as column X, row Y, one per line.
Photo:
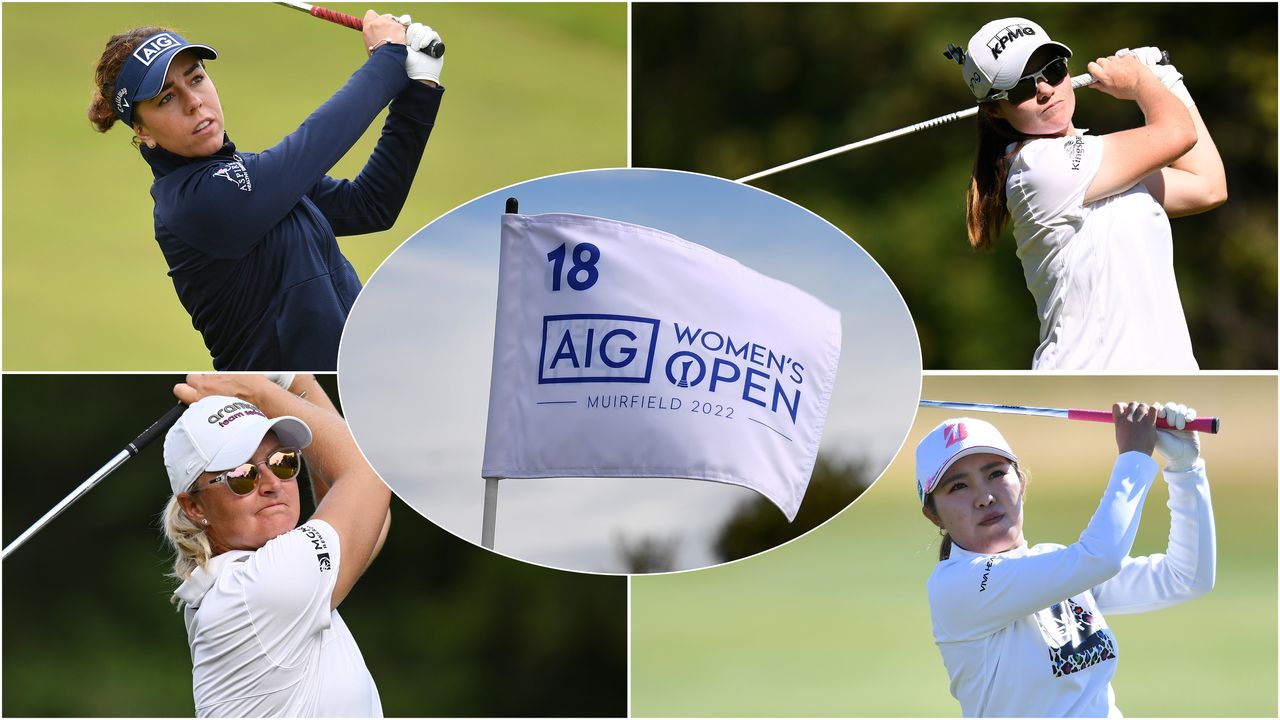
column 997, row 54
column 950, row 441
column 218, row 433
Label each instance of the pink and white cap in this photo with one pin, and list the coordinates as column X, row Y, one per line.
column 218, row 433
column 954, row 439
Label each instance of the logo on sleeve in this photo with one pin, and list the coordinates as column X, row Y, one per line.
column 319, row 545
column 986, row 574
column 236, row 174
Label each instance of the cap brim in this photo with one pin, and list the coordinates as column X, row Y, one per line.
column 153, row 80
column 974, row 450
column 291, row 431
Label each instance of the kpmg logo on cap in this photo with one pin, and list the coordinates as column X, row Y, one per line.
column 597, row 348
column 1006, row 36
column 955, row 433
column 154, row 46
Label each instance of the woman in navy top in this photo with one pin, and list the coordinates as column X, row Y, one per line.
column 251, row 238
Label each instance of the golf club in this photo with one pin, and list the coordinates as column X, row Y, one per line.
column 1078, row 81
column 435, row 48
column 1201, row 424
column 157, row 428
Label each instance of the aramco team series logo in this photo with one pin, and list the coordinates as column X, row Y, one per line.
column 601, row 348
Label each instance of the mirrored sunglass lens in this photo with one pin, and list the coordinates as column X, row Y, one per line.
column 1055, row 71
column 284, row 463
column 242, row 480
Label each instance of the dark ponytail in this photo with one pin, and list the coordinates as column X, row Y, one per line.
column 986, row 209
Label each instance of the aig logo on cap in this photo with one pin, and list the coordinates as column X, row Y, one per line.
column 149, row 50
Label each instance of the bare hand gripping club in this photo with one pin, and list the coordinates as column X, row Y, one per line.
column 435, row 48
column 1201, row 424
column 158, row 428
column 1078, row 81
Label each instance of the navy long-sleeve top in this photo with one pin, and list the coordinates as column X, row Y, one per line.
column 251, row 238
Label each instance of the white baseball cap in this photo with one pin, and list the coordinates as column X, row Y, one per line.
column 218, row 433
column 998, row 53
column 950, row 441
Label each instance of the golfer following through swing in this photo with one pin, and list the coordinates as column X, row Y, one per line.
column 1090, row 213
column 259, row 594
column 251, row 238
column 1022, row 629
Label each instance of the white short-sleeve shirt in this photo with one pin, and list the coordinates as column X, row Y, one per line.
column 1101, row 274
column 264, row 641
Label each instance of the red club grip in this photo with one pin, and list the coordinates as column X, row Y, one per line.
column 1201, row 424
column 337, row 17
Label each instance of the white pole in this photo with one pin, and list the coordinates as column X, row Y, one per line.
column 490, row 512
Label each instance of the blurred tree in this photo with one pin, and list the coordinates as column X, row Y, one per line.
column 648, row 554
column 758, row 525
column 446, row 628
column 732, row 89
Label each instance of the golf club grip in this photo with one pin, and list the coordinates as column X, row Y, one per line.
column 157, row 428
column 435, row 48
column 1085, row 79
column 1201, row 424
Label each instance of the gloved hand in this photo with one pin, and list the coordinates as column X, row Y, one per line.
column 284, row 380
column 1180, row 448
column 419, row 65
column 1167, row 74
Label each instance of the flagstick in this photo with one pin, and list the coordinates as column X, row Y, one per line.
column 490, row 512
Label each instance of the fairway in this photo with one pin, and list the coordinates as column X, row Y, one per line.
column 531, row 90
column 837, row 622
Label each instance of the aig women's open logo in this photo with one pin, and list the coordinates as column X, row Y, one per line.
column 597, row 348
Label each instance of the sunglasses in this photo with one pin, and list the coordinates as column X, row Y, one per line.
column 283, row 463
column 1025, row 89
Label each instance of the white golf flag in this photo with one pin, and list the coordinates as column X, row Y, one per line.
column 624, row 351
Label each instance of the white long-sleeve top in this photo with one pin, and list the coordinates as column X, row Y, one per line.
column 1022, row 633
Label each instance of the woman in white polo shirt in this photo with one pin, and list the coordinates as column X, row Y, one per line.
column 259, row 593
column 1022, row 629
column 1090, row 213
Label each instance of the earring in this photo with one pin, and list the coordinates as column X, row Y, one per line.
column 941, row 531
column 151, row 144
column 206, row 521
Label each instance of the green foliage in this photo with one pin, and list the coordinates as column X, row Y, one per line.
column 446, row 628
column 731, row 90
column 758, row 525
column 531, row 91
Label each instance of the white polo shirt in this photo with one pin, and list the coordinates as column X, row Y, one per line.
column 1022, row 633
column 264, row 641
column 1101, row 274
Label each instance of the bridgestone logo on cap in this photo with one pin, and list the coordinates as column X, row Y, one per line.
column 1006, row 36
column 149, row 50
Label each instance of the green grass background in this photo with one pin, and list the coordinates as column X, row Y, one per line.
column 532, row 89
column 837, row 623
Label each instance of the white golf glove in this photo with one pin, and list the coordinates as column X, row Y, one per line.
column 284, row 380
column 420, row 65
column 1180, row 448
column 1168, row 74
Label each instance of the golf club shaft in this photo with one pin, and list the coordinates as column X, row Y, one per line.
column 435, row 48
column 1076, row 82
column 156, row 429
column 1201, row 424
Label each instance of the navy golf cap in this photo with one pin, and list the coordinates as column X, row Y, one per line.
column 143, row 73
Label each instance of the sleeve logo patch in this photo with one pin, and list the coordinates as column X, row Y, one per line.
column 1075, row 151
column 319, row 545
column 236, row 174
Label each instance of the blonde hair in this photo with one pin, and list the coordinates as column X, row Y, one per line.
column 189, row 541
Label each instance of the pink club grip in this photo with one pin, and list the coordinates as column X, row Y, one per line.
column 1200, row 424
column 337, row 17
